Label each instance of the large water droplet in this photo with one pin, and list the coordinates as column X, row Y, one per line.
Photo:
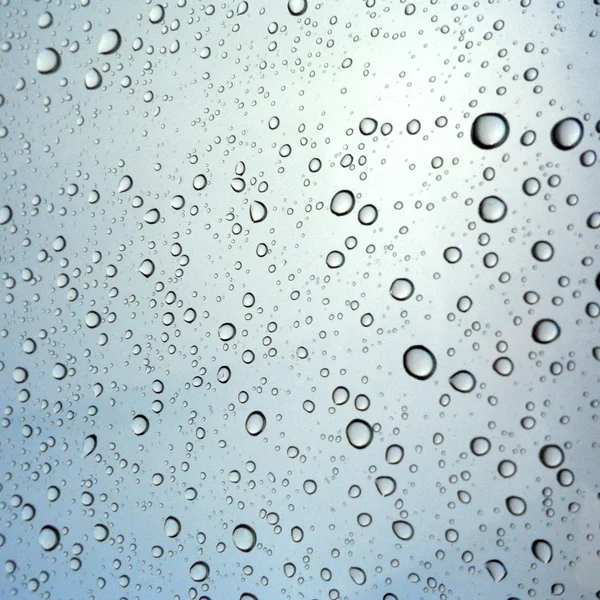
column 297, row 7
column 545, row 331
column 146, row 268
column 49, row 538
column 357, row 575
column 48, row 61
column 359, row 433
column 89, row 444
column 552, row 456
column 463, row 381
column 140, row 425
column 492, row 209
column 256, row 423
column 342, row 203
column 199, row 571
column 109, row 42
column 489, row 131
column 542, row 550
column 496, row 569
column 516, row 505
column 244, row 538
column 419, row 362
column 368, row 126
column 335, row 259
column 100, row 532
column 480, row 446
column 386, row 486
column 567, row 133
column 172, row 527
column 92, row 79
column 258, row 212
column 402, row 289
column 403, row 530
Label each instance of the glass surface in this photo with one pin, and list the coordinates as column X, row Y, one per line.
column 300, row 299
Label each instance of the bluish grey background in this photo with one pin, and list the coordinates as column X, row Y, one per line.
column 227, row 105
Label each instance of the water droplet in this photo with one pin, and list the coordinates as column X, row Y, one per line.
column 297, row 7
column 552, row 456
column 492, row 209
column 463, row 381
column 419, row 362
column 402, row 289
column 48, row 61
column 172, row 527
column 413, row 127
column 340, row 395
column 200, row 182
column 125, row 184
column 5, row 214
column 335, row 259
column 156, row 14
column 367, row 215
column 357, row 575
column 49, row 538
column 368, row 126
column 567, row 133
column 542, row 550
column 258, row 212
column 89, row 444
column 386, row 486
column 227, row 332
column 359, row 433
column 100, row 532
column 199, row 571
column 140, row 425
column 516, row 505
column 109, row 42
column 92, row 319
column 146, row 268
column 480, row 446
column 489, row 131
column 244, row 538
column 92, row 79
column 394, row 454
column 542, row 251
column 496, row 569
column 256, row 423
column 152, row 216
column 342, row 203
column 545, row 331
column 403, row 530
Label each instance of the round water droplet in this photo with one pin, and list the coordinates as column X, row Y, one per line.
column 496, row 569
column 394, row 454
column 335, row 259
column 542, row 550
column 49, row 538
column 109, row 42
column 152, row 216
column 402, row 289
column 492, row 209
column 489, row 131
column 413, row 127
column 452, row 254
column 156, row 14
column 256, row 423
column 567, row 133
column 545, row 331
column 48, row 61
column 172, row 527
column 367, row 126
column 552, row 456
column 244, row 538
column 503, row 366
column 463, row 381
column 367, row 215
column 92, row 79
column 199, row 571
column 146, row 268
column 542, row 251
column 100, row 532
column 140, row 425
column 342, row 203
column 297, row 7
column 419, row 362
column 359, row 433
column 340, row 395
column 480, row 446
column 227, row 332
column 200, row 182
column 403, row 530
column 92, row 319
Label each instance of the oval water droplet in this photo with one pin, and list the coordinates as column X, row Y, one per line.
column 357, row 575
column 256, row 423
column 125, row 184
column 342, row 203
column 199, row 571
column 367, row 126
column 403, row 530
column 516, row 505
column 258, row 212
column 394, row 454
column 172, row 527
column 89, row 444
column 386, row 486
column 227, row 332
column 297, row 8
column 489, row 131
column 109, row 42
column 140, row 425
column 419, row 362
column 542, row 550
column 92, row 79
column 545, row 331
column 335, row 259
column 463, row 381
column 100, row 532
column 146, row 268
column 244, row 538
column 359, row 433
column 567, row 133
column 49, row 538
column 496, row 569
column 92, row 319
